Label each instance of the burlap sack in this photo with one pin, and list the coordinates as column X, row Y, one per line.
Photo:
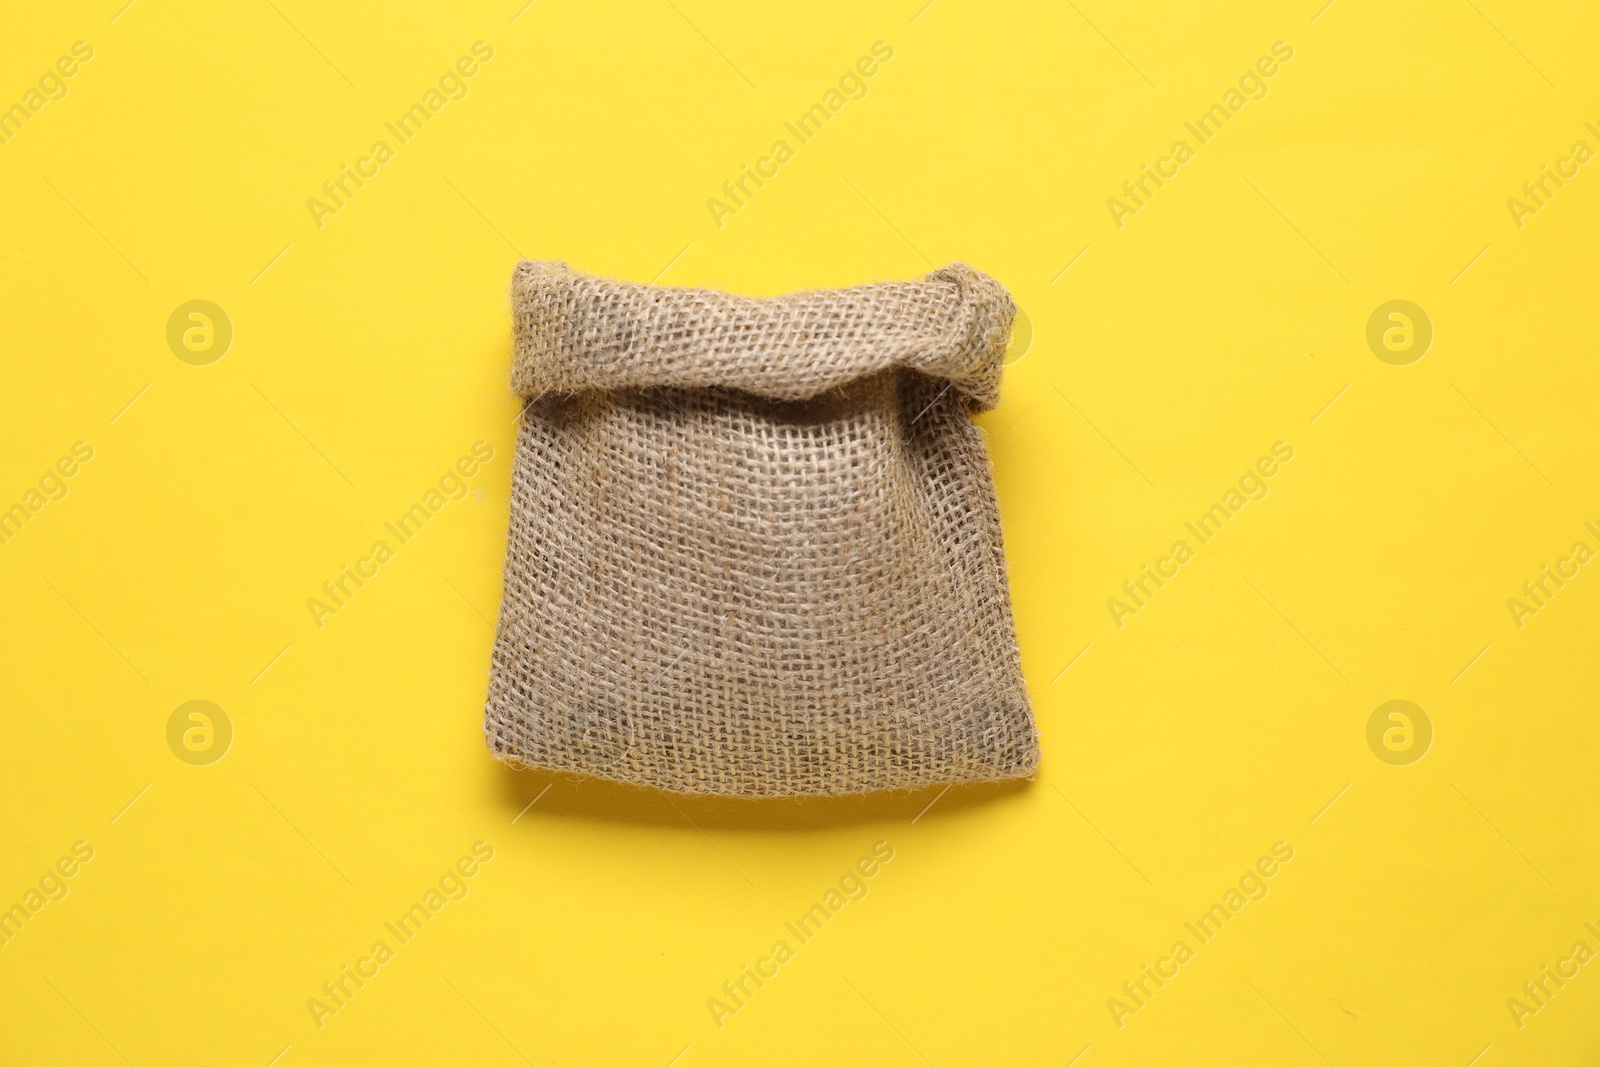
column 754, row 549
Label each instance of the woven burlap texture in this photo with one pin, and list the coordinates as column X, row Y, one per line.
column 754, row 549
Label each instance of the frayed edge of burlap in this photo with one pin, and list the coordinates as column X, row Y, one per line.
column 1026, row 774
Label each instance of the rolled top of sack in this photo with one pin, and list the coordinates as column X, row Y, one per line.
column 575, row 333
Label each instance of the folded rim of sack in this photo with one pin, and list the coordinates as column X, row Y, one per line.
column 754, row 548
column 576, row 332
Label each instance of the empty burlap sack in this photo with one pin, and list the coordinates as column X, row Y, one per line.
column 754, row 549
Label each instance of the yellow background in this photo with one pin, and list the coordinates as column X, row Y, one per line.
column 1229, row 714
